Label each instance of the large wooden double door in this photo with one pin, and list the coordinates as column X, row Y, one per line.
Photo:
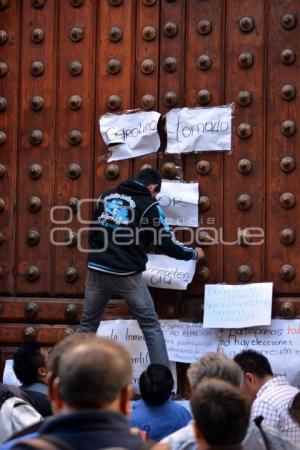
column 63, row 63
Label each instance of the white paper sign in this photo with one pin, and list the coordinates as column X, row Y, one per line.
column 228, row 306
column 129, row 334
column 179, row 202
column 280, row 343
column 9, row 376
column 187, row 342
column 199, row 129
column 168, row 273
column 130, row 134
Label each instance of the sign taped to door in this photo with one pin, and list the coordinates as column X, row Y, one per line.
column 179, row 202
column 130, row 134
column 237, row 306
column 168, row 273
column 199, row 129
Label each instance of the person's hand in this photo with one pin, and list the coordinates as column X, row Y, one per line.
column 200, row 253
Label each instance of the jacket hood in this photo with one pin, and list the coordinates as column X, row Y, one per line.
column 132, row 187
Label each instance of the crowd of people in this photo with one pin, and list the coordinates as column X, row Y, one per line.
column 82, row 396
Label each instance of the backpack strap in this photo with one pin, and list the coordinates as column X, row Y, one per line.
column 258, row 421
column 17, row 391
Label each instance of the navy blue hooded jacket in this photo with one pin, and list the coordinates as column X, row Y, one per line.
column 126, row 222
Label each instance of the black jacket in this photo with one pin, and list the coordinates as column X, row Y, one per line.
column 126, row 222
column 92, row 430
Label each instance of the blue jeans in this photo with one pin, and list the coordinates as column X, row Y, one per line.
column 101, row 286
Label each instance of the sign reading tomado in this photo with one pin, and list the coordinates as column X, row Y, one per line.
column 199, row 129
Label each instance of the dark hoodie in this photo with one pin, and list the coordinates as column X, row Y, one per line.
column 126, row 222
column 92, row 430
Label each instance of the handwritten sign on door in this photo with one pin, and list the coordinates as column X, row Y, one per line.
column 168, row 273
column 179, row 202
column 199, row 129
column 237, row 306
column 130, row 134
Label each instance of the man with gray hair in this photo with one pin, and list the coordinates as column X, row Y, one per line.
column 215, row 365
column 220, row 366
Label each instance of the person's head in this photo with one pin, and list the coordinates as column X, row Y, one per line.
column 256, row 368
column 29, row 363
column 294, row 408
column 156, row 384
column 215, row 365
column 60, row 349
column 221, row 414
column 91, row 373
column 151, row 179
